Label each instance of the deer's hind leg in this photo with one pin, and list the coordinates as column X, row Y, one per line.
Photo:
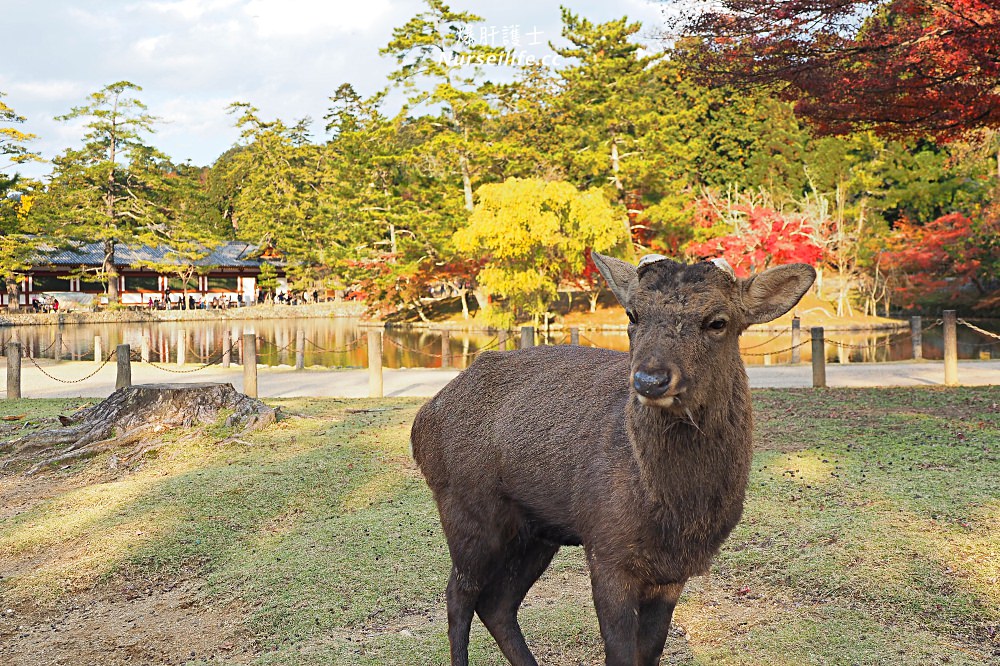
column 478, row 539
column 526, row 560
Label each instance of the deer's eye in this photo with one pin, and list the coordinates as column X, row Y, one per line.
column 718, row 324
column 631, row 317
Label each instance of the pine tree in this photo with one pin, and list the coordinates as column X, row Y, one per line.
column 106, row 190
column 268, row 190
column 438, row 59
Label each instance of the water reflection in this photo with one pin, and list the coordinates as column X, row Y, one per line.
column 342, row 342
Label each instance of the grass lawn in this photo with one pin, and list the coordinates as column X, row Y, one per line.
column 870, row 537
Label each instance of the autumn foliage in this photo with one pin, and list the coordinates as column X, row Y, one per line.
column 753, row 237
column 950, row 260
column 902, row 66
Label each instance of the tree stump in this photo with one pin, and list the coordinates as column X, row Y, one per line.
column 135, row 415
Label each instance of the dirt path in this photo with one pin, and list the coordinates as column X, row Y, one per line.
column 165, row 623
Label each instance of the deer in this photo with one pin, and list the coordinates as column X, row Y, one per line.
column 642, row 458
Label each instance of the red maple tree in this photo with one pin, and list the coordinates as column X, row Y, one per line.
column 939, row 261
column 756, row 237
column 900, row 66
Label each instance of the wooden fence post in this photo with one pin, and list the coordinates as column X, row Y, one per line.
column 917, row 337
column 818, row 357
column 502, row 340
column 98, row 350
column 950, row 349
column 445, row 349
column 796, row 335
column 250, row 364
column 227, row 349
column 574, row 336
column 124, row 357
column 13, row 370
column 57, row 345
column 300, row 349
column 527, row 337
column 182, row 349
column 144, row 349
column 375, row 364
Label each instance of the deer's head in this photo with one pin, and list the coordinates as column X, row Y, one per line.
column 685, row 321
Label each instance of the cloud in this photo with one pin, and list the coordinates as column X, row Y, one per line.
column 298, row 18
column 51, row 90
column 187, row 10
column 192, row 115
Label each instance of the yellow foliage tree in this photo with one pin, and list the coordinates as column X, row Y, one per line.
column 533, row 234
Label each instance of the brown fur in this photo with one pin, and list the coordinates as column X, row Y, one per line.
column 530, row 450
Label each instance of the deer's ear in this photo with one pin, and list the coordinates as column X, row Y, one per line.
column 619, row 275
column 774, row 292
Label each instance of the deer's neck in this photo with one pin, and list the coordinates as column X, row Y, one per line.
column 698, row 462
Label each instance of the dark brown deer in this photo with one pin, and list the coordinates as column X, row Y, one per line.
column 642, row 458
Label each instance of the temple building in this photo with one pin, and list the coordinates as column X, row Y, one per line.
column 228, row 274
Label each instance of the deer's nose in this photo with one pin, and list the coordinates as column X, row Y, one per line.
column 653, row 385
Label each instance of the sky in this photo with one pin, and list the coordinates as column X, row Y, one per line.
column 193, row 58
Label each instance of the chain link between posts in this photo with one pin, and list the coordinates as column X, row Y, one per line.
column 761, row 344
column 806, row 341
column 28, row 353
column 779, row 351
column 982, row 331
column 410, row 349
column 210, row 363
column 277, row 349
column 892, row 339
column 343, row 350
column 413, row 350
column 74, row 381
column 198, row 356
column 495, row 342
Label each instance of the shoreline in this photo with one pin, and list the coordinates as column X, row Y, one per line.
column 622, row 328
column 254, row 312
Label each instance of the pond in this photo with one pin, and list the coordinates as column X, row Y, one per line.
column 342, row 342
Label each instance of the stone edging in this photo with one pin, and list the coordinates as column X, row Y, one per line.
column 341, row 309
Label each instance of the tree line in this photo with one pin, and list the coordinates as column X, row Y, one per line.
column 497, row 189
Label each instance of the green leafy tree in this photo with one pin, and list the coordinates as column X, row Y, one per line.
column 17, row 245
column 392, row 218
column 634, row 123
column 531, row 233
column 190, row 228
column 604, row 100
column 268, row 190
column 16, row 242
column 267, row 280
column 364, row 180
column 109, row 189
column 14, row 150
column 523, row 132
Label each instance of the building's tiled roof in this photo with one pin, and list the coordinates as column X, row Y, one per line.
column 232, row 254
